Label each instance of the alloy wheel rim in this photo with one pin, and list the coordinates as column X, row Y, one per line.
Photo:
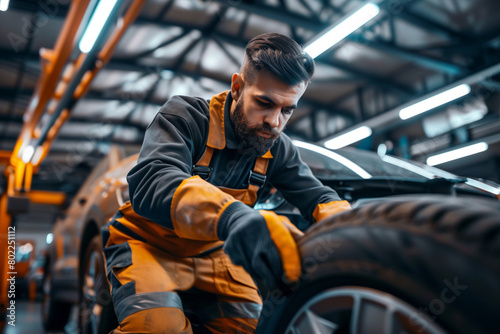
column 358, row 309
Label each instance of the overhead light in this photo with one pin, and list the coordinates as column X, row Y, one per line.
column 96, row 24
column 334, row 156
column 454, row 117
column 27, row 154
column 457, row 154
column 483, row 186
column 342, row 30
column 349, row 138
column 434, row 101
column 4, row 5
column 49, row 238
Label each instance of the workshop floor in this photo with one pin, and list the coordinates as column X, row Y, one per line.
column 29, row 320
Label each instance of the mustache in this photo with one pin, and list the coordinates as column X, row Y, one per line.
column 266, row 128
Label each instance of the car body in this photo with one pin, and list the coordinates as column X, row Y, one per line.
column 358, row 176
column 96, row 201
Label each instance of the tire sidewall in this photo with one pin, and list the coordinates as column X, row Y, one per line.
column 443, row 280
column 55, row 314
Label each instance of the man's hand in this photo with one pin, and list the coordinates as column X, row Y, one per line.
column 262, row 242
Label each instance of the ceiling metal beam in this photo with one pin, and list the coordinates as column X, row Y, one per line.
column 371, row 78
column 83, row 138
column 425, row 61
column 227, row 38
column 8, row 93
column 312, row 24
column 88, row 65
column 428, row 25
column 23, row 55
column 84, row 120
column 130, row 65
column 276, row 14
column 52, row 8
column 412, row 56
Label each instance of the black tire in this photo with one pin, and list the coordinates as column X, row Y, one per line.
column 96, row 312
column 434, row 259
column 55, row 314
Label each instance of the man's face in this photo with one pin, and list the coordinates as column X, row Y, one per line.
column 262, row 110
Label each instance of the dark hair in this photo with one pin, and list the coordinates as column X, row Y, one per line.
column 280, row 56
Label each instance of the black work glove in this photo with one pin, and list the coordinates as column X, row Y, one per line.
column 262, row 242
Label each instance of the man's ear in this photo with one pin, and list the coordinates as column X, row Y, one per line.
column 236, row 86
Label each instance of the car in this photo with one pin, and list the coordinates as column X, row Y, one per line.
column 418, row 253
column 397, row 263
column 73, row 267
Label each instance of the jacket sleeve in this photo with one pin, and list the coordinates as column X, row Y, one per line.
column 296, row 182
column 161, row 186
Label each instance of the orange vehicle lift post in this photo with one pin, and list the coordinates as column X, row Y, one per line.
column 62, row 82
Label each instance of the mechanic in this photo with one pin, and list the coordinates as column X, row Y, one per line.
column 189, row 228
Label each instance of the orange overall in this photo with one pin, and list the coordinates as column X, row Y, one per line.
column 148, row 267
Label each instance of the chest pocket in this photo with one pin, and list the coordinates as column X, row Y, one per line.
column 256, row 178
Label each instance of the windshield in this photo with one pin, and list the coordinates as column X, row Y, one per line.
column 357, row 164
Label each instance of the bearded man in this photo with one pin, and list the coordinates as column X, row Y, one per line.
column 189, row 235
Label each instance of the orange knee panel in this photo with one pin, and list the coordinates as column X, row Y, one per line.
column 232, row 325
column 157, row 320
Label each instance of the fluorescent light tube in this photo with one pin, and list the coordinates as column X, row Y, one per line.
column 342, row 30
column 95, row 24
column 349, row 138
column 457, row 154
column 4, row 5
column 334, row 156
column 434, row 101
column 28, row 154
column 49, row 238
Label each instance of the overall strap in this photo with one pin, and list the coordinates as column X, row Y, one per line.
column 202, row 167
column 216, row 140
column 216, row 136
column 258, row 174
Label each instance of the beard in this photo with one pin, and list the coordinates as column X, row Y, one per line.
column 247, row 135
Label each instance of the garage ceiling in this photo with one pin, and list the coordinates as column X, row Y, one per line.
column 412, row 49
